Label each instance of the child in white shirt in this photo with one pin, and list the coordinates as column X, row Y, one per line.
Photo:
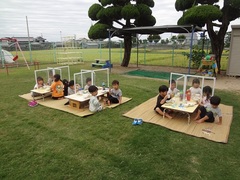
column 172, row 90
column 209, row 113
column 207, row 93
column 39, row 84
column 71, row 88
column 195, row 89
column 94, row 104
column 88, row 83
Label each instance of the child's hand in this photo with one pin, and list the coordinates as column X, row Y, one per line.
column 166, row 97
column 219, row 123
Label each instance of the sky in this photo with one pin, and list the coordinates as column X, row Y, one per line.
column 54, row 19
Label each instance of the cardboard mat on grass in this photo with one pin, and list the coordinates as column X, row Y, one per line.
column 210, row 131
column 59, row 105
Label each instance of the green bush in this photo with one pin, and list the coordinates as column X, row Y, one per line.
column 197, row 55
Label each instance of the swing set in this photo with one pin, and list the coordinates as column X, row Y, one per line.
column 15, row 43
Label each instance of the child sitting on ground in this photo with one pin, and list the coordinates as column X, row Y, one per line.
column 172, row 90
column 57, row 88
column 88, row 83
column 39, row 84
column 50, row 79
column 65, row 84
column 209, row 113
column 207, row 93
column 115, row 94
column 94, row 104
column 195, row 89
column 162, row 98
column 71, row 87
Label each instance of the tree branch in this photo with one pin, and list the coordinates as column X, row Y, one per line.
column 217, row 25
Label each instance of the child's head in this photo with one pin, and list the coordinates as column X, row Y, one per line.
column 172, row 84
column 39, row 80
column 71, row 84
column 215, row 101
column 56, row 77
column 115, row 84
column 50, row 73
column 196, row 83
column 89, row 81
column 207, row 91
column 93, row 90
column 65, row 82
column 163, row 90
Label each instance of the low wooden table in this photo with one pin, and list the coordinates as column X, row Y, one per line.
column 187, row 107
column 79, row 99
column 42, row 91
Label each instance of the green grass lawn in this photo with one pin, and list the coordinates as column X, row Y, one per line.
column 43, row 143
column 148, row 57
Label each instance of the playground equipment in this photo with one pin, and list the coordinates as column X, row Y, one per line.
column 6, row 56
column 14, row 42
column 208, row 66
column 102, row 63
column 68, row 55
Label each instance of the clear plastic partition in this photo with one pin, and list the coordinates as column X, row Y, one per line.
column 82, row 79
column 100, row 77
column 46, row 74
column 184, row 82
column 63, row 71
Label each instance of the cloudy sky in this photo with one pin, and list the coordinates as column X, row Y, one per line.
column 55, row 18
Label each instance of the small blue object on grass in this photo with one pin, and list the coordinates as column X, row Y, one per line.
column 137, row 122
column 140, row 121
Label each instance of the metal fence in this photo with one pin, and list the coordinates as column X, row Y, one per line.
column 145, row 53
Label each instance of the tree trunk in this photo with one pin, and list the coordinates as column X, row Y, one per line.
column 217, row 41
column 217, row 38
column 127, row 50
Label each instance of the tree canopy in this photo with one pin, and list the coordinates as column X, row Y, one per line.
column 124, row 13
column 154, row 38
column 207, row 12
column 112, row 13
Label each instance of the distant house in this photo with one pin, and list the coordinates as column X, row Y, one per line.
column 36, row 43
column 91, row 44
column 40, row 39
column 24, row 39
column 87, row 43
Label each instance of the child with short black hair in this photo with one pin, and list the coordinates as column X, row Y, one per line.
column 162, row 98
column 88, row 83
column 71, row 87
column 209, row 113
column 94, row 104
column 65, row 84
column 115, row 93
column 195, row 89
column 57, row 88
column 172, row 90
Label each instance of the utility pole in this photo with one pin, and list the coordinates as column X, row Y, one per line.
column 29, row 43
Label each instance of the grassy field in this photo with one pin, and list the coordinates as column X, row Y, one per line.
column 42, row 143
column 148, row 57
